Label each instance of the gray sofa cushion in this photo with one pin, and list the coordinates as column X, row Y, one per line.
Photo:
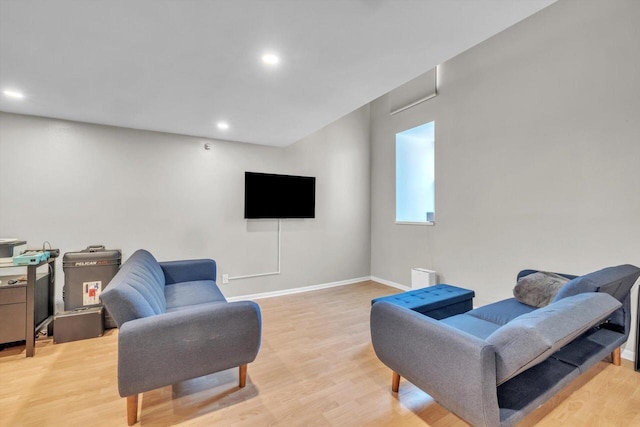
column 501, row 312
column 539, row 288
column 471, row 325
column 186, row 294
column 531, row 338
column 138, row 288
column 616, row 281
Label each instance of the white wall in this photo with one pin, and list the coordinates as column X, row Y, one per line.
column 537, row 155
column 76, row 184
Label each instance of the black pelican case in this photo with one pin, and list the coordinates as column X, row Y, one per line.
column 86, row 274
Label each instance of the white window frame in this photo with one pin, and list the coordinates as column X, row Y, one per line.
column 415, row 173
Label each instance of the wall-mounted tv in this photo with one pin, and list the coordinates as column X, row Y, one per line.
column 279, row 196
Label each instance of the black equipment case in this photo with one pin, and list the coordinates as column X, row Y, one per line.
column 78, row 324
column 86, row 274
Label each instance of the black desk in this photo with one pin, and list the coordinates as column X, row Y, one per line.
column 638, row 333
column 27, row 308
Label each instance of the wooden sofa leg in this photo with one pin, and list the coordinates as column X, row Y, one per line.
column 395, row 382
column 132, row 409
column 615, row 357
column 243, row 376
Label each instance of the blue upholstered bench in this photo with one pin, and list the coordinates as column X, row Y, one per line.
column 437, row 301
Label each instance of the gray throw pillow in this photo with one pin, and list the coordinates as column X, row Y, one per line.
column 538, row 289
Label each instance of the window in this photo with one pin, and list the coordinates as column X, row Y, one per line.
column 415, row 177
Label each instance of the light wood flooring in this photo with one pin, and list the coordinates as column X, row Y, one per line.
column 316, row 367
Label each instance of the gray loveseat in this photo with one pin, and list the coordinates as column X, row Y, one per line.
column 495, row 364
column 175, row 325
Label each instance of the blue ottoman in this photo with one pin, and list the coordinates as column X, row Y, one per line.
column 437, row 301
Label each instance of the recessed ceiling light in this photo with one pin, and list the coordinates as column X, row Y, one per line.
column 13, row 94
column 270, row 59
column 223, row 125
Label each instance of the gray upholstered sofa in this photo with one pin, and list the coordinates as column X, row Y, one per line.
column 495, row 364
column 175, row 325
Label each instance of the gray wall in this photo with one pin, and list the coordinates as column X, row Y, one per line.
column 537, row 158
column 537, row 154
column 76, row 184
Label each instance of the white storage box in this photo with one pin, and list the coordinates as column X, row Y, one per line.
column 422, row 277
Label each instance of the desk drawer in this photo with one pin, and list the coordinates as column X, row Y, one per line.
column 13, row 324
column 13, row 294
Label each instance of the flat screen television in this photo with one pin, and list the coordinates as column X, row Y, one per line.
column 279, row 196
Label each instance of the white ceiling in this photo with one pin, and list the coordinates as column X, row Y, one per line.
column 181, row 66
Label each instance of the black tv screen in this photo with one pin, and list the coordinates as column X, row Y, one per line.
column 279, row 196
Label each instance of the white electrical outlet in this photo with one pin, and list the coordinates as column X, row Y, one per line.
column 225, row 278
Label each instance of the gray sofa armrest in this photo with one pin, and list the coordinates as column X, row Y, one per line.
column 188, row 270
column 457, row 369
column 168, row 348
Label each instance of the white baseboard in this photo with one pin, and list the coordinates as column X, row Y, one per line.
column 317, row 287
column 390, row 283
column 299, row 290
column 628, row 354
